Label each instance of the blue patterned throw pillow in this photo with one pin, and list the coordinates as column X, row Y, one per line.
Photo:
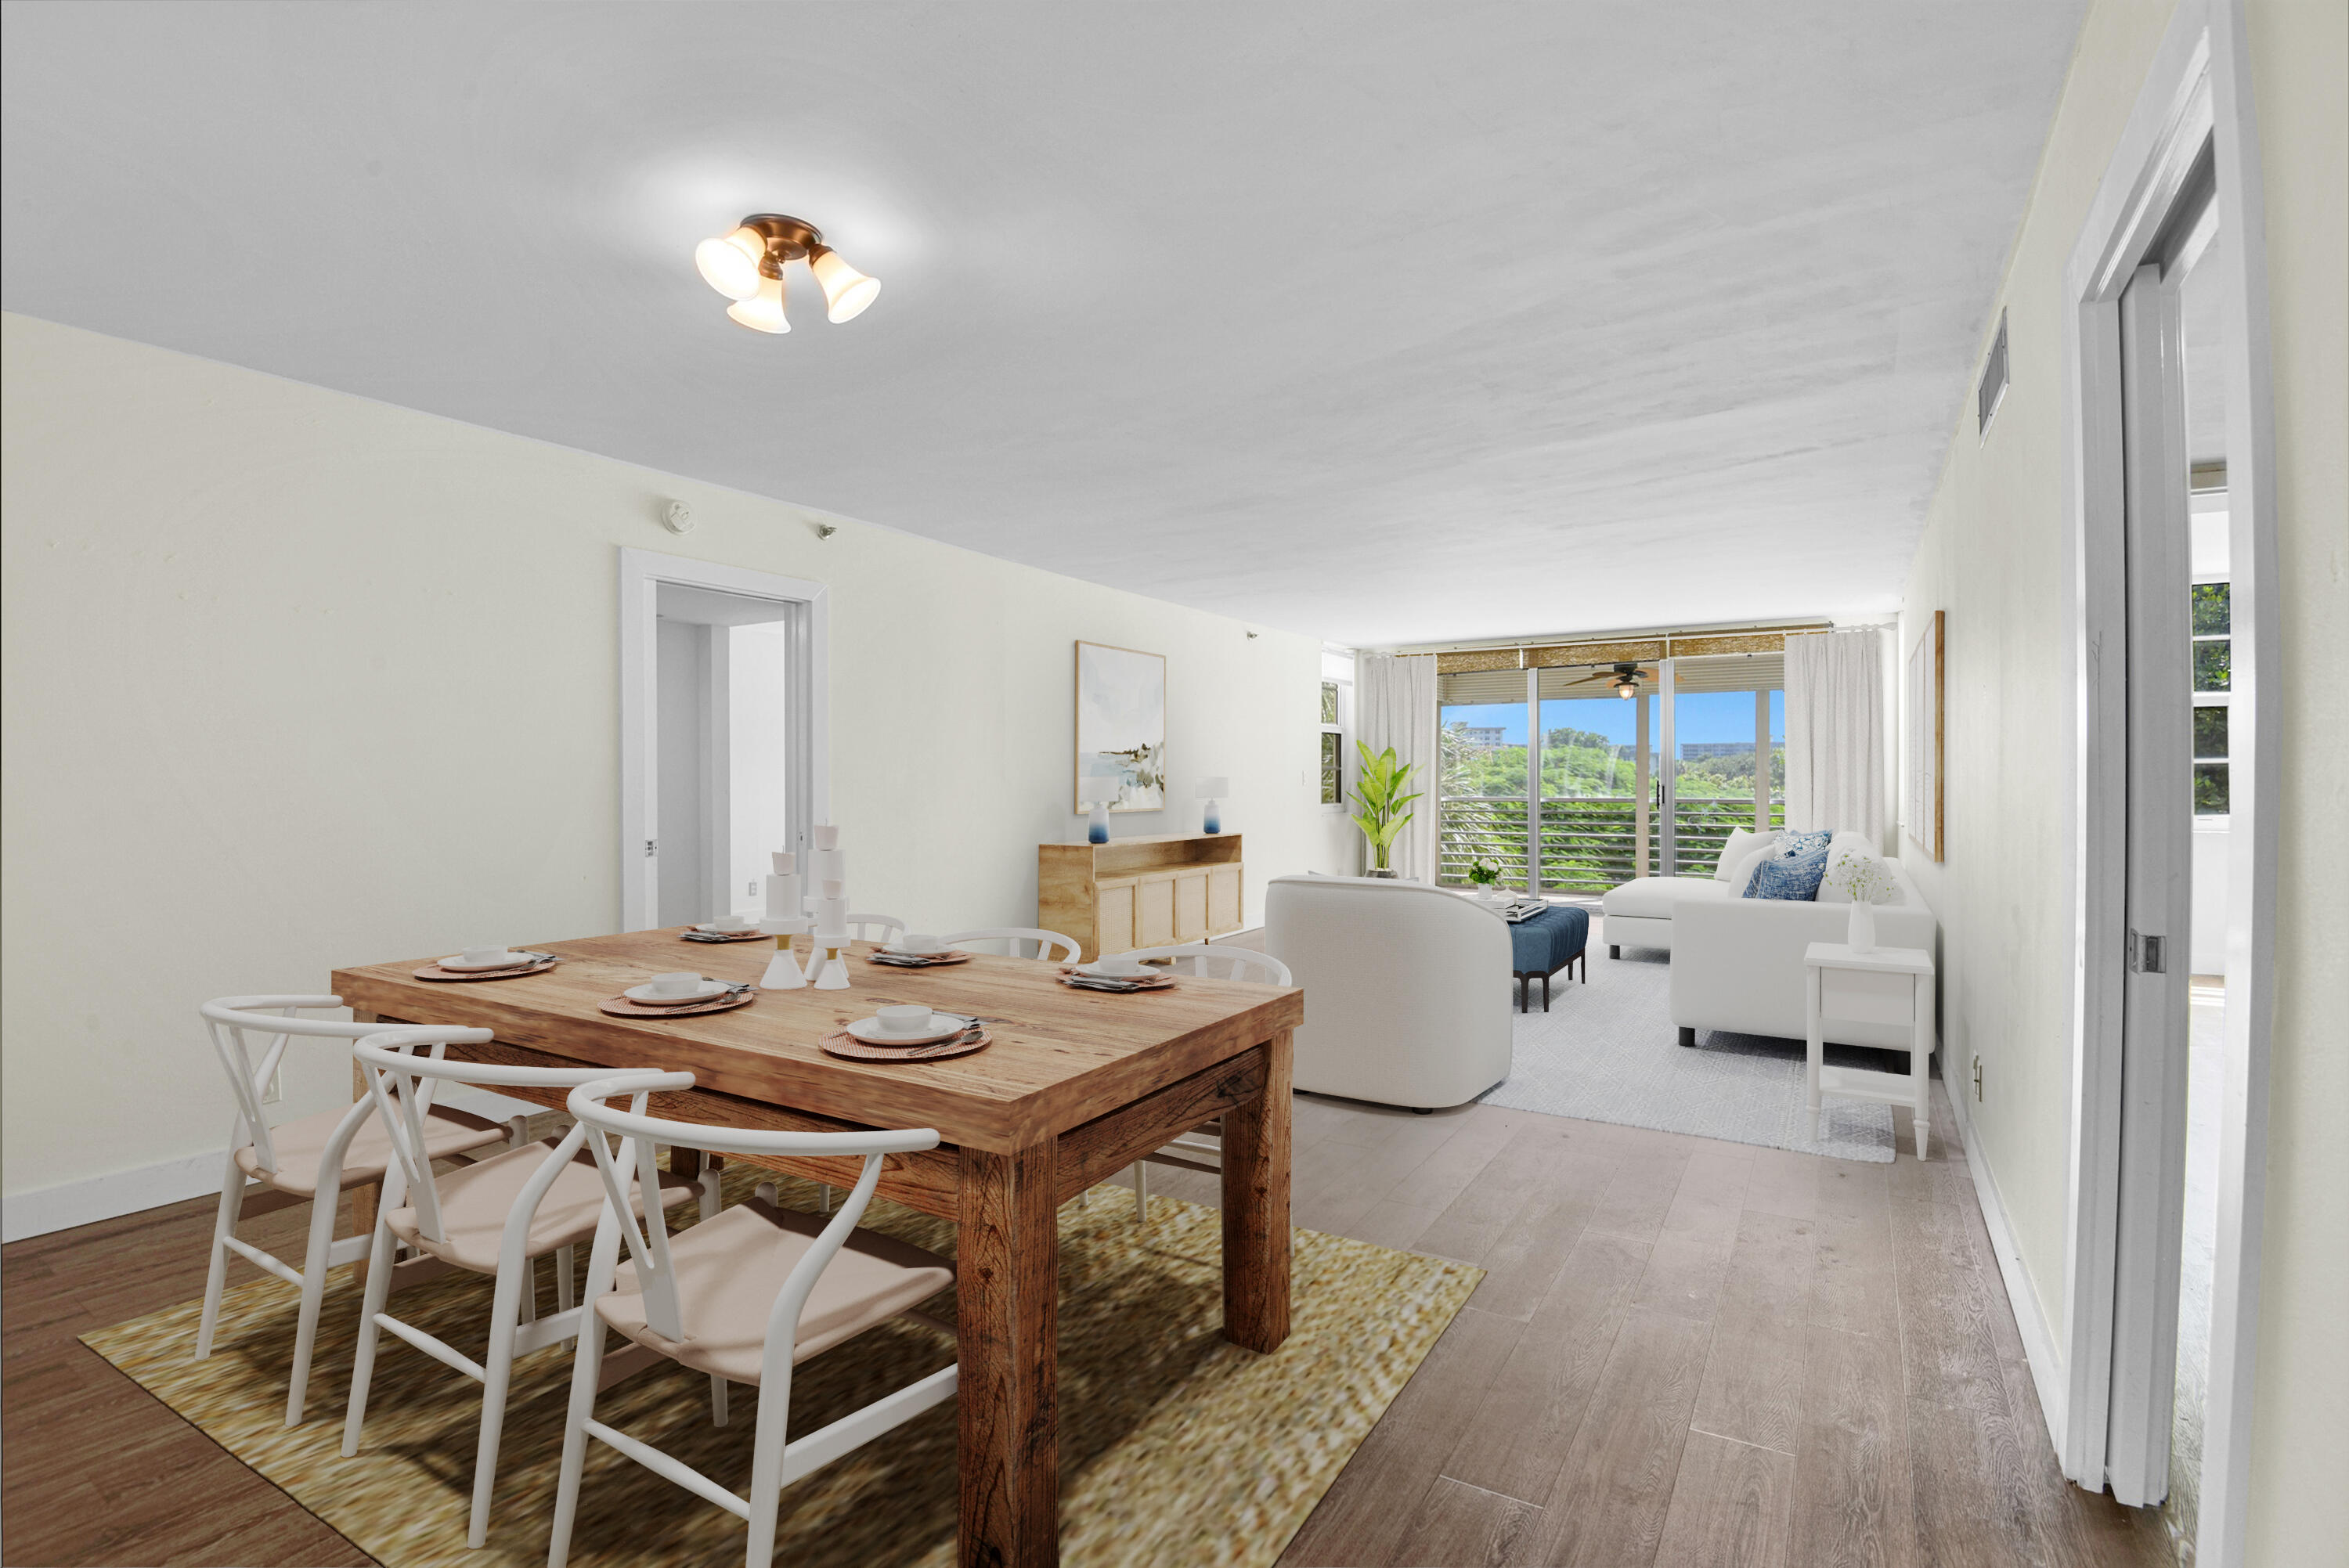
column 1794, row 877
column 1794, row 843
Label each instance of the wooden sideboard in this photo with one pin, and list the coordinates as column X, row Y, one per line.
column 1140, row 892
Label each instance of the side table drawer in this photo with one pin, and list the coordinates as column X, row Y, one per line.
column 1864, row 996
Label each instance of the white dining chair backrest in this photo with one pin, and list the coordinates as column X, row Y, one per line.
column 881, row 928
column 232, row 1021
column 641, row 1138
column 1214, row 962
column 1015, row 937
column 402, row 1067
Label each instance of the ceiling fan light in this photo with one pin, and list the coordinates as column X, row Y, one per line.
column 763, row 311
column 729, row 264
column 1626, row 688
column 846, row 291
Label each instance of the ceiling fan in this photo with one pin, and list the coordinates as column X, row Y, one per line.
column 1624, row 677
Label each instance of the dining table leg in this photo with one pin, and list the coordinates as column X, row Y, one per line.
column 1007, row 1320
column 1256, row 1207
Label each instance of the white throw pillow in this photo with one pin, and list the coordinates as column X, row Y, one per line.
column 1754, row 856
column 1842, row 844
column 1742, row 841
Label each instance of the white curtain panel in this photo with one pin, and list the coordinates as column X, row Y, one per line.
column 1834, row 732
column 1395, row 703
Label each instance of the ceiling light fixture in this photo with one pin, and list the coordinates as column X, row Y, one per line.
column 747, row 265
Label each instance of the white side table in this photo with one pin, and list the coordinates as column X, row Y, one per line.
column 1889, row 986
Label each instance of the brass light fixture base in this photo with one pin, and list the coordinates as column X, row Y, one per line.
column 788, row 239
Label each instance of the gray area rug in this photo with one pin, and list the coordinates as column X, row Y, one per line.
column 1608, row 1051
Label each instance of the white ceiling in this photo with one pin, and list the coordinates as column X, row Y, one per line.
column 1385, row 321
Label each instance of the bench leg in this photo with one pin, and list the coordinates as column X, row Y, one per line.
column 1544, row 992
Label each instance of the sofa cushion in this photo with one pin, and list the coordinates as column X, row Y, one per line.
column 1742, row 841
column 1794, row 877
column 1652, row 898
column 1756, row 855
column 1791, row 842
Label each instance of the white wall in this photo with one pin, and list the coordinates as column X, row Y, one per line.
column 681, row 745
column 241, row 616
column 1990, row 557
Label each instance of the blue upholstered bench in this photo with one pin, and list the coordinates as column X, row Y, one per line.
column 1549, row 942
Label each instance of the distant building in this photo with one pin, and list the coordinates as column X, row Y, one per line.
column 1478, row 735
column 1692, row 750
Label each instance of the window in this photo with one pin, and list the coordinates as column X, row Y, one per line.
column 2213, row 679
column 1333, row 748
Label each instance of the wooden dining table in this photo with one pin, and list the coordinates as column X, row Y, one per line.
column 1076, row 1086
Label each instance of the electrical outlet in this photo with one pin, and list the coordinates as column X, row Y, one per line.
column 752, row 887
column 1977, row 1063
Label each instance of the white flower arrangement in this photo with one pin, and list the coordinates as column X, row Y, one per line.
column 1866, row 878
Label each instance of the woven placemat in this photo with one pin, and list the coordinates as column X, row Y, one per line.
column 1123, row 988
column 692, row 933
column 849, row 1048
column 434, row 971
column 621, row 1007
column 917, row 960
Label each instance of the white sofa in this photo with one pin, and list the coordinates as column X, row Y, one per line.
column 1639, row 914
column 1737, row 963
column 1406, row 988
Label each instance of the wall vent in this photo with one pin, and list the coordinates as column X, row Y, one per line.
column 1993, row 389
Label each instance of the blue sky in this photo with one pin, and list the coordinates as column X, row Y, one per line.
column 1698, row 716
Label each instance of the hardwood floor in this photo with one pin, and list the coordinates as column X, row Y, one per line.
column 1683, row 1353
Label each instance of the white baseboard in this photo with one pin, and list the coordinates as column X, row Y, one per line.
column 85, row 1202
column 2039, row 1341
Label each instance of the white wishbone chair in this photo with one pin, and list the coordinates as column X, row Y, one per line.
column 1015, row 938
column 312, row 1159
column 864, row 927
column 497, row 1217
column 746, row 1296
column 1201, row 1148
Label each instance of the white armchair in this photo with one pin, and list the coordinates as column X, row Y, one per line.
column 1407, row 989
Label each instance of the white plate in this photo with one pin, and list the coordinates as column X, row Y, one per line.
column 1094, row 972
column 508, row 962
column 870, row 1031
column 652, row 998
column 750, row 930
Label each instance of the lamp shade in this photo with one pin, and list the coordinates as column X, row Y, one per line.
column 1212, row 789
column 763, row 311
column 846, row 291
column 729, row 264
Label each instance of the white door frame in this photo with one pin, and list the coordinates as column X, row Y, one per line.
column 2198, row 89
column 642, row 573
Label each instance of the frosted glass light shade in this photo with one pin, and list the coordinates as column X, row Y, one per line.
column 762, row 311
column 1212, row 789
column 846, row 291
column 729, row 264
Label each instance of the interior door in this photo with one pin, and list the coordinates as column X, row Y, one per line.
column 2157, row 900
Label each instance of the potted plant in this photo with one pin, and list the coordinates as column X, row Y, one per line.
column 1486, row 872
column 1385, row 807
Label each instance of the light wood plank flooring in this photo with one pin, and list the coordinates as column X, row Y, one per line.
column 1684, row 1353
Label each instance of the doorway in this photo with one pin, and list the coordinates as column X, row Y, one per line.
column 721, row 734
column 2172, row 729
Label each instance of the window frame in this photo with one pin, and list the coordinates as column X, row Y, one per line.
column 1345, row 690
column 2211, row 821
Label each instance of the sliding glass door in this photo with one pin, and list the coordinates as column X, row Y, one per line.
column 1573, row 788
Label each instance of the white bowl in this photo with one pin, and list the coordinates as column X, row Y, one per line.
column 923, row 945
column 908, row 1019
column 1116, row 968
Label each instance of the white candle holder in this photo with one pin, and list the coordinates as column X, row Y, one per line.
column 829, row 961
column 783, row 969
